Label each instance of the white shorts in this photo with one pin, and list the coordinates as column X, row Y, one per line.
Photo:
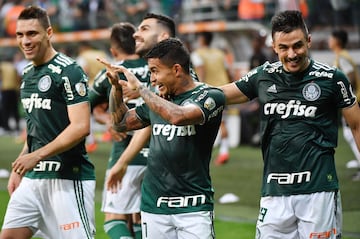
column 316, row 215
column 193, row 225
column 128, row 197
column 60, row 208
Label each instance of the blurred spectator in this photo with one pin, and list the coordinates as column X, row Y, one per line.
column 229, row 60
column 171, row 8
column 20, row 62
column 300, row 5
column 259, row 56
column 342, row 13
column 355, row 6
column 10, row 95
column 249, row 112
column 68, row 14
column 230, row 8
column 52, row 8
column 81, row 15
column 10, row 17
column 78, row 15
column 251, row 10
column 337, row 43
column 135, row 10
column 4, row 8
column 94, row 14
column 210, row 66
column 87, row 60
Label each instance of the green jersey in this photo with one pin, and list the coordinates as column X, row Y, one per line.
column 46, row 91
column 177, row 178
column 299, row 125
column 100, row 93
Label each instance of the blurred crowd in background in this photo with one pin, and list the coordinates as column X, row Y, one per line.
column 76, row 15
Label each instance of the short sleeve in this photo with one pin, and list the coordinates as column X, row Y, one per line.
column 343, row 91
column 75, row 83
column 211, row 102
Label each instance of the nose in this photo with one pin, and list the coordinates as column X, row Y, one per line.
column 292, row 53
column 152, row 79
column 25, row 40
column 135, row 35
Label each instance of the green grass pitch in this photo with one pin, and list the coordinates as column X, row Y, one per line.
column 240, row 176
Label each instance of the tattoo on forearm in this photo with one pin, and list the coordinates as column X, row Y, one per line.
column 122, row 118
column 117, row 109
column 156, row 103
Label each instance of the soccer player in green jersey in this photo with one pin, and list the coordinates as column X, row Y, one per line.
column 122, row 207
column 52, row 184
column 152, row 29
column 299, row 100
column 176, row 190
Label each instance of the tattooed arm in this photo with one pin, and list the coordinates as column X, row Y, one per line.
column 174, row 114
column 123, row 118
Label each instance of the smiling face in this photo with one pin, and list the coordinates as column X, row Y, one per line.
column 163, row 77
column 148, row 34
column 34, row 40
column 292, row 49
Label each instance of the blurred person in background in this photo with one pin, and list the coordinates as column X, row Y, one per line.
column 250, row 10
column 135, row 10
column 210, row 66
column 11, row 15
column 249, row 112
column 341, row 13
column 52, row 9
column 20, row 63
column 87, row 60
column 337, row 42
column 10, row 83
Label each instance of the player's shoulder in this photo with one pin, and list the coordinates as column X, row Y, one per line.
column 320, row 69
column 266, row 68
column 61, row 60
column 204, row 90
column 317, row 65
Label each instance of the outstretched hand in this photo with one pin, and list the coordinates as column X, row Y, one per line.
column 113, row 74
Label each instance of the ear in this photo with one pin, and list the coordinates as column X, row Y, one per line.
column 113, row 52
column 177, row 69
column 163, row 36
column 49, row 32
column 309, row 40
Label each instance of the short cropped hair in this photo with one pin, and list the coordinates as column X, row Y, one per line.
column 171, row 51
column 122, row 37
column 35, row 12
column 207, row 36
column 288, row 21
column 165, row 21
column 341, row 36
